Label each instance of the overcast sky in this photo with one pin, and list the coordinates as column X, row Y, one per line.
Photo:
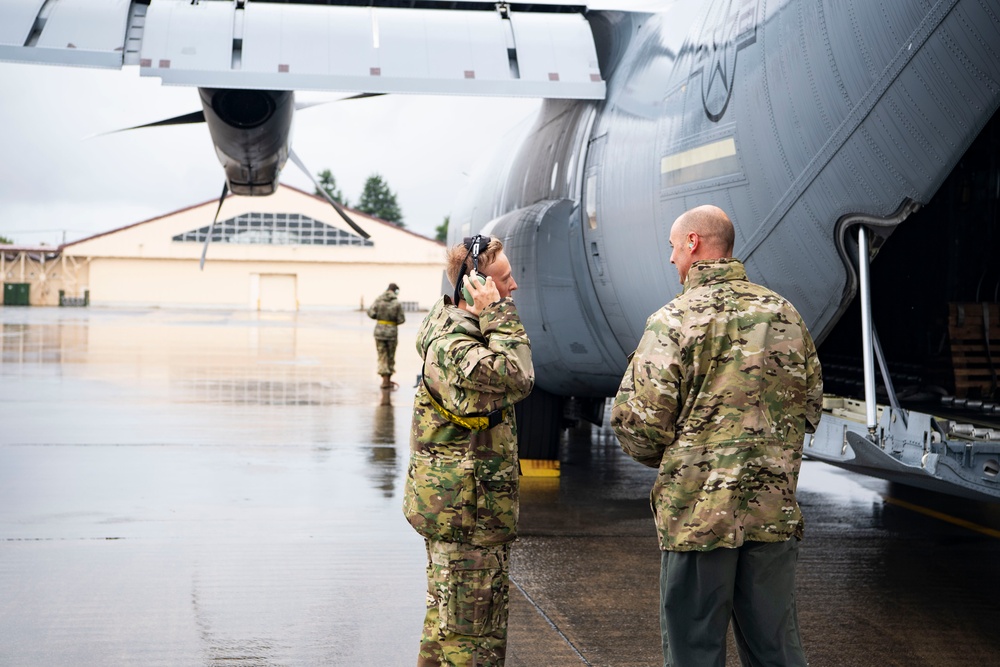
column 57, row 183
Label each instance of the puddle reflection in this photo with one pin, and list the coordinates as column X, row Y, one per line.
column 382, row 456
column 22, row 343
column 217, row 488
column 227, row 478
column 267, row 386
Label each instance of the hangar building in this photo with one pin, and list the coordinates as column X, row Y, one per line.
column 288, row 251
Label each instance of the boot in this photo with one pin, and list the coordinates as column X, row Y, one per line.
column 386, row 382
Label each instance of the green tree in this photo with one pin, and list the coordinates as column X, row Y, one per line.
column 5, row 241
column 442, row 230
column 378, row 200
column 329, row 184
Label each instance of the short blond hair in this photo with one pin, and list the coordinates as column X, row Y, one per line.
column 459, row 252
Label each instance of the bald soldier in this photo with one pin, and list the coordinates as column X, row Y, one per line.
column 719, row 395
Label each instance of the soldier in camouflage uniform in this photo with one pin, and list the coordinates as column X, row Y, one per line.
column 719, row 395
column 462, row 480
column 388, row 313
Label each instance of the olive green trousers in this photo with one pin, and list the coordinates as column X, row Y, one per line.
column 752, row 585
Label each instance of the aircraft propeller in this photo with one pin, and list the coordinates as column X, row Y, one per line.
column 186, row 119
column 211, row 228
column 301, row 165
column 333, row 202
column 199, row 117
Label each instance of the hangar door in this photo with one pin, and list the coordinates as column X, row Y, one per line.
column 273, row 291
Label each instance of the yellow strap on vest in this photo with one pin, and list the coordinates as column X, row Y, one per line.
column 386, row 322
column 472, row 423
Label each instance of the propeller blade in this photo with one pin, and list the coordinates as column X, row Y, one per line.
column 186, row 119
column 333, row 202
column 360, row 96
column 208, row 237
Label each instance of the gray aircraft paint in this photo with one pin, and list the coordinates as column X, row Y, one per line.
column 801, row 120
column 831, row 110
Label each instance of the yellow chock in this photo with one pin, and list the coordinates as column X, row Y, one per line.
column 539, row 468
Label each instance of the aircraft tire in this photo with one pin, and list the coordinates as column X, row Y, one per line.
column 539, row 425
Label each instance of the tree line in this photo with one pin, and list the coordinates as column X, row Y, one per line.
column 377, row 199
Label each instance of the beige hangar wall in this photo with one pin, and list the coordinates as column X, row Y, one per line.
column 141, row 264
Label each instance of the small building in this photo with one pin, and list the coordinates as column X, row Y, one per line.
column 37, row 275
column 287, row 251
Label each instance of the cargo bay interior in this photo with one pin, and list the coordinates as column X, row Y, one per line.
column 935, row 299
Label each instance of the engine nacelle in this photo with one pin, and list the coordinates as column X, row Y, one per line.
column 251, row 130
column 575, row 352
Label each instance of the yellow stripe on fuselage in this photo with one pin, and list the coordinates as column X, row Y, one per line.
column 716, row 150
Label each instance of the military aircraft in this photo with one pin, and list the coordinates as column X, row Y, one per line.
column 829, row 131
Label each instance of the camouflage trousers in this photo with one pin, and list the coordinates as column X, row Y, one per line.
column 467, row 600
column 386, row 355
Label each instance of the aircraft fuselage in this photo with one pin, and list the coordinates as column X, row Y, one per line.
column 798, row 119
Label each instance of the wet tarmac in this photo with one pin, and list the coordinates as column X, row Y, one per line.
column 205, row 488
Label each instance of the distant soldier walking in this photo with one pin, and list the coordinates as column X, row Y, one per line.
column 719, row 395
column 388, row 313
column 462, row 482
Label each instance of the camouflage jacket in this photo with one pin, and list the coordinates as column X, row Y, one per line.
column 718, row 395
column 386, row 308
column 462, row 484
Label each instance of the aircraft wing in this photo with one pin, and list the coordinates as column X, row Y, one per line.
column 476, row 50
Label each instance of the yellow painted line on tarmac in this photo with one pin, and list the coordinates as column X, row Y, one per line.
column 944, row 517
column 539, row 468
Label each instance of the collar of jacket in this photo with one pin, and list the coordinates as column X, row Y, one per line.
column 708, row 271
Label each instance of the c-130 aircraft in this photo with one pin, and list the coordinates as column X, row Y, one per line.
column 829, row 130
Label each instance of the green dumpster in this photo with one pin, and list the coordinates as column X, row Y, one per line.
column 16, row 294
